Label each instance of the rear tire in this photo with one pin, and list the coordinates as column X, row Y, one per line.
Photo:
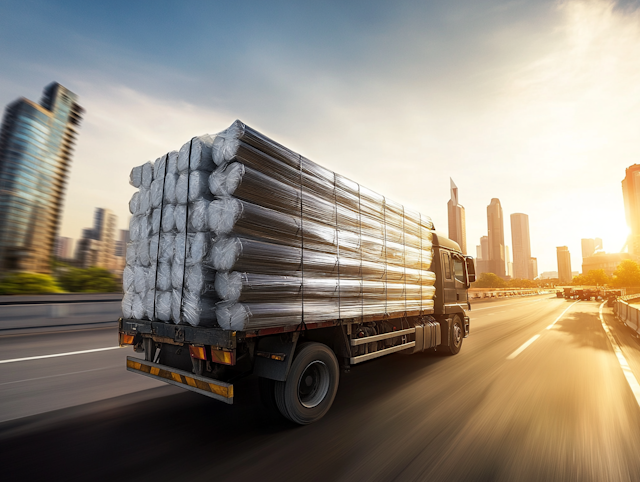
column 308, row 392
column 456, row 335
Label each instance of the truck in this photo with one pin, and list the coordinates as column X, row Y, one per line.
column 298, row 366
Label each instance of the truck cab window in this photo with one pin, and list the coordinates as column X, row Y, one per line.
column 446, row 265
column 458, row 270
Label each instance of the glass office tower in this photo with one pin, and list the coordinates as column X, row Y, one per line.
column 36, row 147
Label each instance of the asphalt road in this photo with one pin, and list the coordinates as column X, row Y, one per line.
column 559, row 409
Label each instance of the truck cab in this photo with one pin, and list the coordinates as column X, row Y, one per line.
column 454, row 274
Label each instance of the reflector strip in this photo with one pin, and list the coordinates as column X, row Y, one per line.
column 216, row 389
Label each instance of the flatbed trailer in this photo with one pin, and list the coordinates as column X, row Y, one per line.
column 298, row 365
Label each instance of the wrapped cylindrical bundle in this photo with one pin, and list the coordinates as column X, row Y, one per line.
column 264, row 163
column 198, row 246
column 394, row 253
column 156, row 217
column 134, row 203
column 425, row 222
column 318, row 180
column 180, row 218
column 349, row 244
column 127, row 304
column 201, row 158
column 160, row 167
column 147, row 175
column 426, row 258
column 412, row 241
column 411, row 223
column 371, row 204
column 144, row 204
column 163, row 280
column 130, row 254
column 137, row 307
column 142, row 254
column 168, row 218
column 155, row 194
column 127, row 279
column 412, row 257
column 177, row 275
column 183, row 158
column 394, row 215
column 393, row 234
column 200, row 280
column 176, row 305
column 180, row 248
column 244, row 316
column 182, row 188
column 163, row 305
column 372, row 248
column 372, row 227
column 166, row 248
column 226, row 144
column 199, row 216
column 172, row 162
column 198, row 311
column 413, row 294
column 135, row 177
column 149, row 301
column 348, row 219
column 170, row 182
column 139, row 279
column 198, row 186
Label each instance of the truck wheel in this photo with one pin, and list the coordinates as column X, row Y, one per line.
column 455, row 336
column 308, row 392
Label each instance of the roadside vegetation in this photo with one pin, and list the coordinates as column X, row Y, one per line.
column 73, row 280
column 627, row 275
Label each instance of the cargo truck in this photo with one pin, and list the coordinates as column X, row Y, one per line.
column 299, row 365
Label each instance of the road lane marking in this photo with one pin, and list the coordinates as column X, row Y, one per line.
column 523, row 347
column 561, row 314
column 60, row 375
column 626, row 369
column 58, row 354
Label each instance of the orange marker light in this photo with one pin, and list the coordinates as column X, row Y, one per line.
column 126, row 339
column 222, row 356
column 197, row 352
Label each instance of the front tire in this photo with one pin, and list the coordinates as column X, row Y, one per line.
column 308, row 392
column 456, row 335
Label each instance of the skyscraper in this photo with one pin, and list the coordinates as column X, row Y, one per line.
column 564, row 264
column 495, row 224
column 631, row 195
column 98, row 244
column 36, row 146
column 457, row 228
column 509, row 264
column 533, row 268
column 521, row 246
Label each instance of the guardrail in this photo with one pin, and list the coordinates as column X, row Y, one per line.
column 479, row 294
column 629, row 315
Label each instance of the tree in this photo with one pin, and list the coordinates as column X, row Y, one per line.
column 627, row 274
column 28, row 284
column 90, row 280
column 490, row 280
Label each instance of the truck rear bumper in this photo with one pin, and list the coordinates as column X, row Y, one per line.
column 205, row 386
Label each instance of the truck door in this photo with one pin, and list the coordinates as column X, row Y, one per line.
column 448, row 283
column 460, row 278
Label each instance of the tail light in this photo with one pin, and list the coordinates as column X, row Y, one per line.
column 225, row 357
column 197, row 352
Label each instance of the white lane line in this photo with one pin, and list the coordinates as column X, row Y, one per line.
column 60, row 375
column 626, row 369
column 55, row 355
column 523, row 347
column 561, row 314
column 502, row 304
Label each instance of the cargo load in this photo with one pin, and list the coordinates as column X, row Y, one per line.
column 236, row 231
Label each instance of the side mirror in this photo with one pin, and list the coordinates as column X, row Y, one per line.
column 471, row 269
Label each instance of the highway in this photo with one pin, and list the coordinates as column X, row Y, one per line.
column 537, row 393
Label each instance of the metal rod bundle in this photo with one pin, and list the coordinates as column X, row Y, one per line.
column 239, row 230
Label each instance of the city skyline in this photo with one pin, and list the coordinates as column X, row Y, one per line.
column 544, row 100
column 456, row 219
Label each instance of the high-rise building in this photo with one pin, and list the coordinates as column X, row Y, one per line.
column 631, row 195
column 63, row 247
column 564, row 264
column 495, row 224
column 457, row 228
column 36, row 147
column 521, row 245
column 121, row 243
column 482, row 262
column 509, row 264
column 97, row 246
column 533, row 268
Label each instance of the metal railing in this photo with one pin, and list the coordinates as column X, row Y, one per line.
column 629, row 315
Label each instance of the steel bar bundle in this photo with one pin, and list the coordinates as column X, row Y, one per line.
column 237, row 229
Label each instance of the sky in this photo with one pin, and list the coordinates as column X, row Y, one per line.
column 534, row 103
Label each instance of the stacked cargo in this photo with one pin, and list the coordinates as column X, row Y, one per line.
column 264, row 237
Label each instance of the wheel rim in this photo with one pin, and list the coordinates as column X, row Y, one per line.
column 457, row 334
column 313, row 384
